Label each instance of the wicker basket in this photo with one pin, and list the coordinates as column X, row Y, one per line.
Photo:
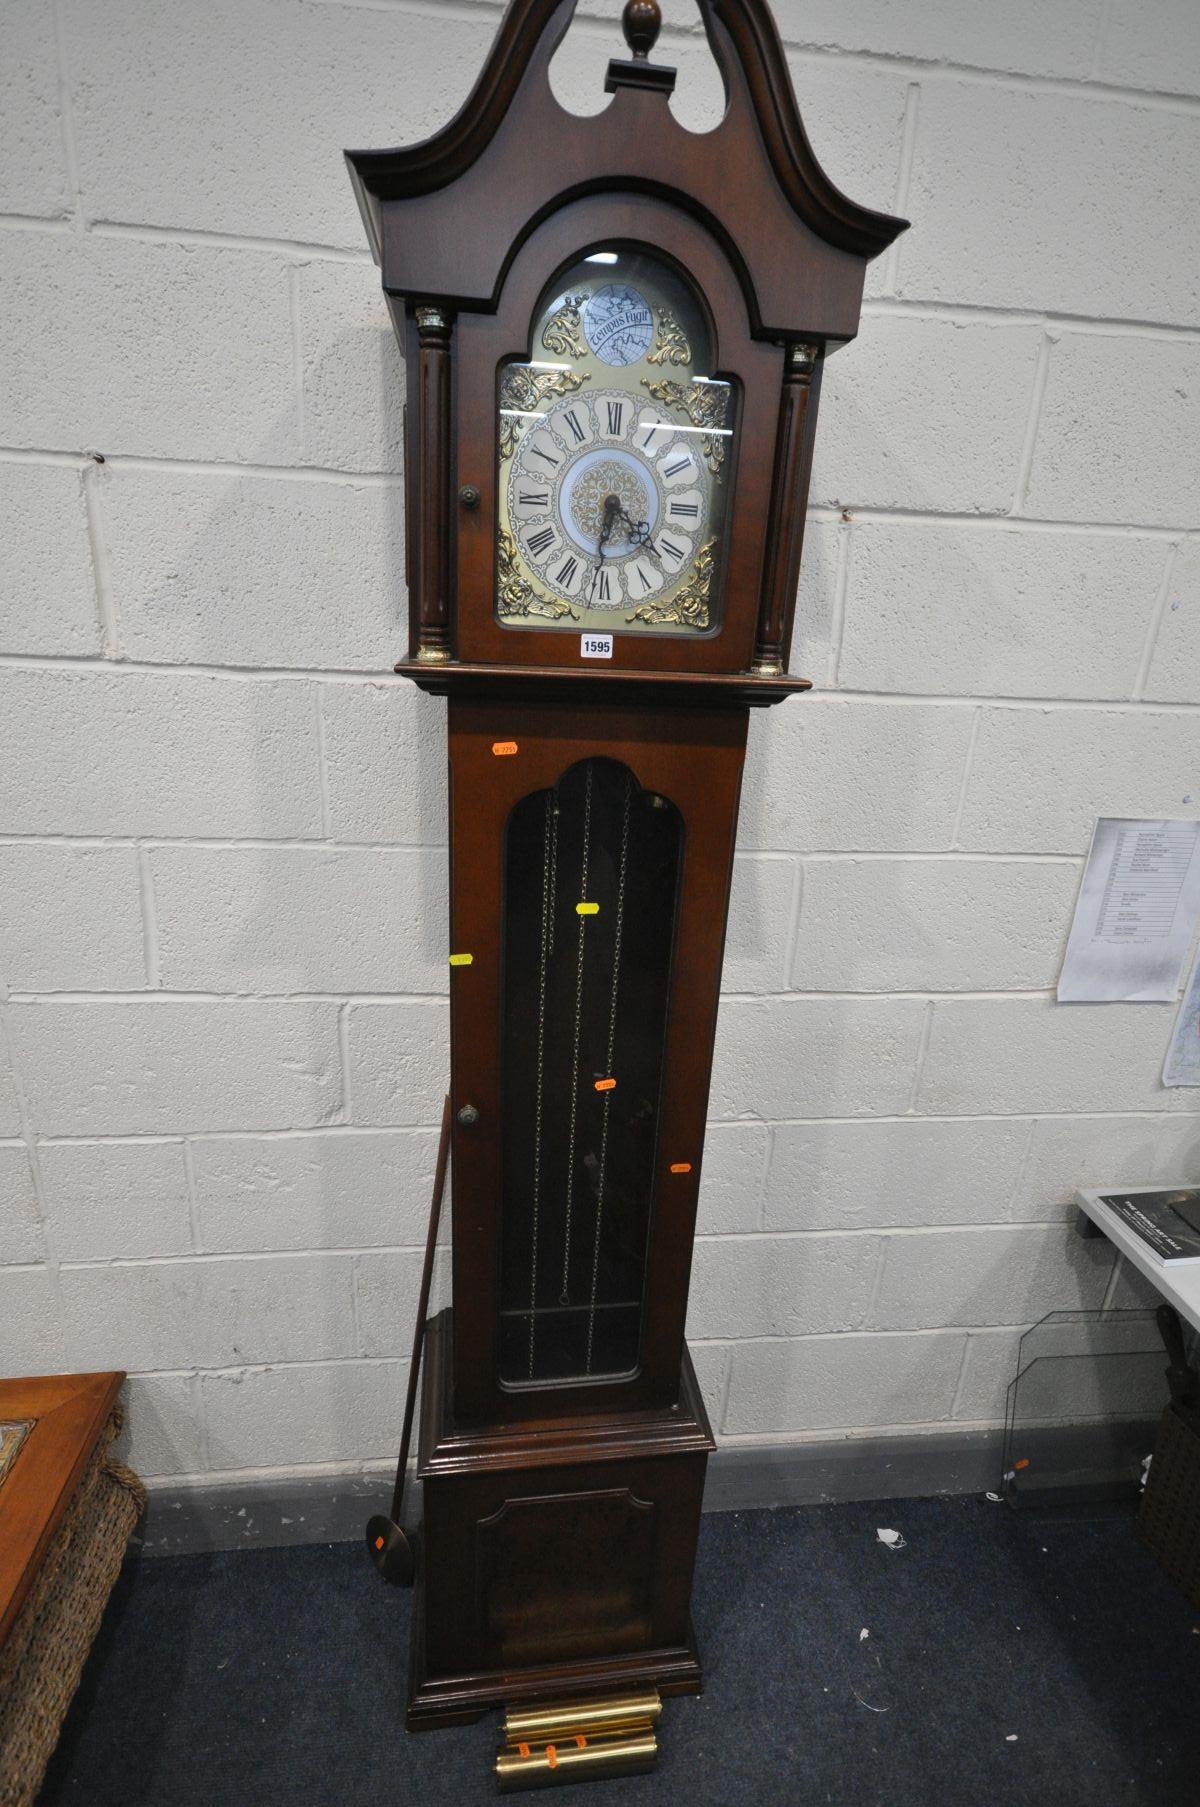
column 43, row 1656
column 1169, row 1519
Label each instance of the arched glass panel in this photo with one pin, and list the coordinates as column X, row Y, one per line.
column 615, row 445
column 591, row 876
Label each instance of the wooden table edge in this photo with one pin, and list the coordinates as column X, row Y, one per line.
column 70, row 1412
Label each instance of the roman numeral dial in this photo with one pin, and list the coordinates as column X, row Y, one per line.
column 609, row 500
column 614, row 466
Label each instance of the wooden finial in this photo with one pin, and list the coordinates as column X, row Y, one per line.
column 641, row 23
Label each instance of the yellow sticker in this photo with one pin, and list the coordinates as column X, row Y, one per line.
column 504, row 749
column 461, row 959
column 586, row 909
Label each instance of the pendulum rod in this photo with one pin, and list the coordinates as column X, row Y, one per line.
column 549, row 862
column 565, row 1296
column 608, row 1068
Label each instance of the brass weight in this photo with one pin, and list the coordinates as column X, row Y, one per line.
column 558, row 1718
column 576, row 1757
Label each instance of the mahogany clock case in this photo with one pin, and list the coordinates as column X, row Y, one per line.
column 593, row 812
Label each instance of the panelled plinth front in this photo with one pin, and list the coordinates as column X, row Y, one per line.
column 557, row 1555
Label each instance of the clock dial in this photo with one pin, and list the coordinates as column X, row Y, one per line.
column 607, row 500
column 613, row 474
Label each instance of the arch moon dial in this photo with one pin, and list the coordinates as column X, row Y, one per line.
column 609, row 499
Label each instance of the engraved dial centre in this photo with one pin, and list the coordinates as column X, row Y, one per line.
column 587, row 513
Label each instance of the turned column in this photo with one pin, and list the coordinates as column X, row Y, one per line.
column 433, row 450
column 789, row 499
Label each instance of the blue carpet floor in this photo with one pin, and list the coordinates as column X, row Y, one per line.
column 1008, row 1658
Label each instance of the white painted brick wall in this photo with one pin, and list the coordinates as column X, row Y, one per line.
column 33, row 175
column 998, row 610
column 336, row 1189
column 20, row 1230
column 47, row 592
column 207, row 1314
column 222, row 825
column 1130, row 162
column 1176, row 658
column 186, row 591
column 1040, row 777
column 839, row 774
column 110, row 1201
column 279, row 1417
column 280, row 919
column 823, row 1382
column 105, row 337
column 125, row 1067
column 182, row 755
column 906, row 1173
column 164, row 1428
column 951, row 375
column 1117, row 432
column 932, row 925
column 72, row 918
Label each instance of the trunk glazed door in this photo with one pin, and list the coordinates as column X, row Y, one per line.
column 591, row 882
column 591, row 852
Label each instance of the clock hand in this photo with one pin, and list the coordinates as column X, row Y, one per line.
column 639, row 531
column 612, row 508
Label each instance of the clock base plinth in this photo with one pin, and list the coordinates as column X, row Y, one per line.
column 556, row 1555
column 438, row 1702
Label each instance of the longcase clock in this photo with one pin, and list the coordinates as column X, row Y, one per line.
column 614, row 332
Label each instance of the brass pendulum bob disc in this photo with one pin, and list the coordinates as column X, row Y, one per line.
column 390, row 1551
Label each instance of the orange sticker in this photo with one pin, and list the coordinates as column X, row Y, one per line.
column 522, row 1750
column 379, row 1543
column 552, row 1756
column 504, row 749
column 606, row 1085
column 580, row 1741
column 681, row 1166
column 1022, row 1463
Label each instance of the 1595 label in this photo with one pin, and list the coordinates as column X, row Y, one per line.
column 595, row 646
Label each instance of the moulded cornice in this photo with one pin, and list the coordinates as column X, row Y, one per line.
column 746, row 47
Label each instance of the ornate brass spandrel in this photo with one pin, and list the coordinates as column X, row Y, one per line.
column 706, row 406
column 689, row 605
column 515, row 594
column 522, row 391
column 563, row 332
column 671, row 345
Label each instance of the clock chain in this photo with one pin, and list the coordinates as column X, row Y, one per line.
column 612, row 1043
column 549, row 868
column 553, row 873
column 565, row 1296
